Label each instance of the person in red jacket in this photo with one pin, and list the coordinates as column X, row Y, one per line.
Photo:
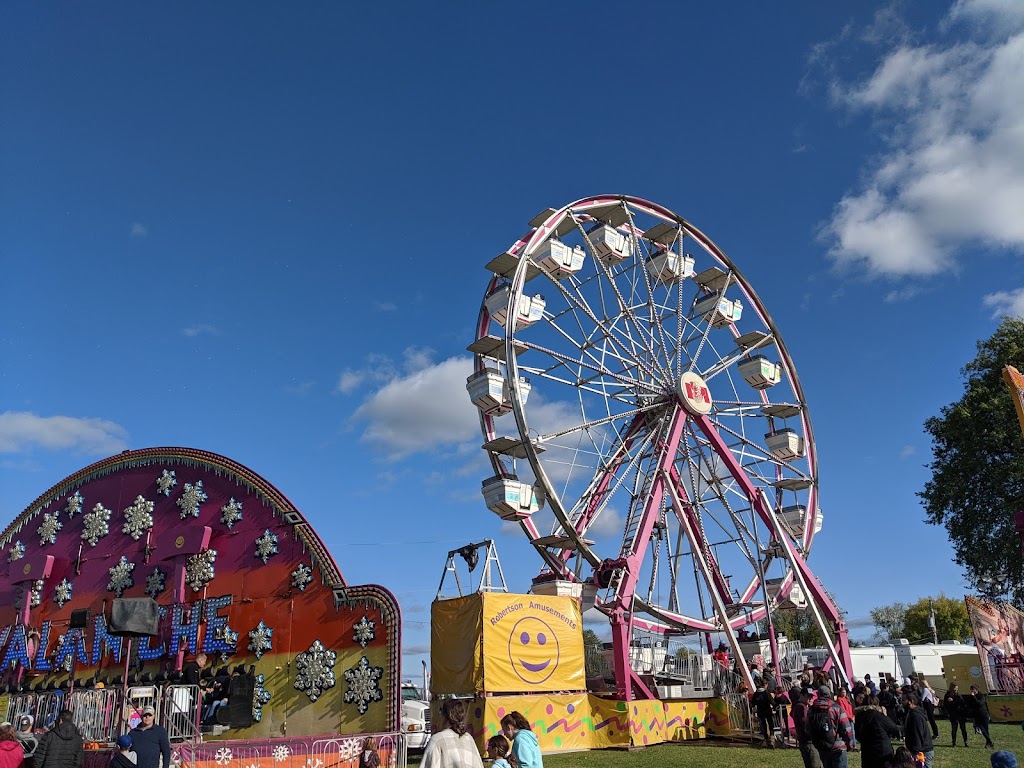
column 11, row 753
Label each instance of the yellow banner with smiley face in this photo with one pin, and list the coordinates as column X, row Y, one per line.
column 505, row 643
column 532, row 643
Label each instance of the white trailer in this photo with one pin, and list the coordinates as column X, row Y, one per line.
column 898, row 661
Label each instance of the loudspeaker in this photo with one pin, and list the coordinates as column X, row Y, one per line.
column 134, row 617
column 241, row 691
column 79, row 618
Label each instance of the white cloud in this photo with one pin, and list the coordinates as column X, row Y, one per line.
column 425, row 409
column 386, row 306
column 608, row 523
column 952, row 173
column 907, row 451
column 381, row 368
column 22, row 431
column 1005, row 303
column 138, row 229
column 200, row 329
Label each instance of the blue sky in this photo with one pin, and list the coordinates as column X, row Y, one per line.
column 261, row 231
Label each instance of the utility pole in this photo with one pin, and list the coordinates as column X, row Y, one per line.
column 931, row 622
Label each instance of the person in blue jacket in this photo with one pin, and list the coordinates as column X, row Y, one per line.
column 525, row 747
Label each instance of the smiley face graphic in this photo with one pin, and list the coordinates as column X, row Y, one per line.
column 533, row 650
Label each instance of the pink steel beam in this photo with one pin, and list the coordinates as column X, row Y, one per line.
column 625, row 679
column 800, row 569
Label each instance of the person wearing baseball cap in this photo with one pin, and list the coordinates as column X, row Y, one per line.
column 150, row 742
column 124, row 758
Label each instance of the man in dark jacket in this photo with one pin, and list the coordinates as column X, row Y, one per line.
column 875, row 731
column 918, row 729
column 955, row 707
column 807, row 750
column 982, row 718
column 761, row 703
column 62, row 746
column 150, row 742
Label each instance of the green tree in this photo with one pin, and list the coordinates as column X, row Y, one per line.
column 890, row 622
column 795, row 625
column 977, row 467
column 951, row 620
column 590, row 638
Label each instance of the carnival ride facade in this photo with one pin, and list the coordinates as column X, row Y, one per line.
column 223, row 565
column 658, row 416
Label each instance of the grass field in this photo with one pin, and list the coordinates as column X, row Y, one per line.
column 1009, row 737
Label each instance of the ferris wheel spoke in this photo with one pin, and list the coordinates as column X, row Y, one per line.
column 625, row 346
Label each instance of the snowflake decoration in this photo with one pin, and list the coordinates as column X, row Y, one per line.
column 350, row 749
column 223, row 756
column 62, row 593
column 37, row 594
column 266, row 545
column 138, row 518
column 302, row 577
column 363, row 685
column 363, row 632
column 260, row 639
column 260, row 697
column 16, row 552
column 314, row 763
column 74, row 505
column 281, row 753
column 156, row 583
column 231, row 513
column 315, row 670
column 121, row 576
column 165, row 482
column 96, row 524
column 191, row 498
column 48, row 530
column 199, row 569
column 229, row 636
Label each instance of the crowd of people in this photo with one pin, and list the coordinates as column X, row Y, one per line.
column 63, row 746
column 830, row 720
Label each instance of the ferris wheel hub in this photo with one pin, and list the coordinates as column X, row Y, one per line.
column 694, row 394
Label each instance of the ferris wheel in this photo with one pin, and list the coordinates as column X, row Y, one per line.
column 659, row 449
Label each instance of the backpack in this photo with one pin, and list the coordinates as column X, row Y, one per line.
column 820, row 729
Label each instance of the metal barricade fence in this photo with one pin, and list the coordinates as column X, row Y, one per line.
column 739, row 714
column 95, row 711
column 391, row 747
column 180, row 712
column 19, row 705
column 48, row 706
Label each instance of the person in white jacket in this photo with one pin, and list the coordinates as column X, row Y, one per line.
column 453, row 746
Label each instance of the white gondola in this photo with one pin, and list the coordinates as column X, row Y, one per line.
column 559, row 260
column 529, row 311
column 795, row 599
column 793, row 518
column 718, row 310
column 511, row 499
column 760, row 373
column 611, row 246
column 785, row 444
column 669, row 267
column 488, row 389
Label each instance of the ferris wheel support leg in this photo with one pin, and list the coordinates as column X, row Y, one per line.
column 628, row 685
